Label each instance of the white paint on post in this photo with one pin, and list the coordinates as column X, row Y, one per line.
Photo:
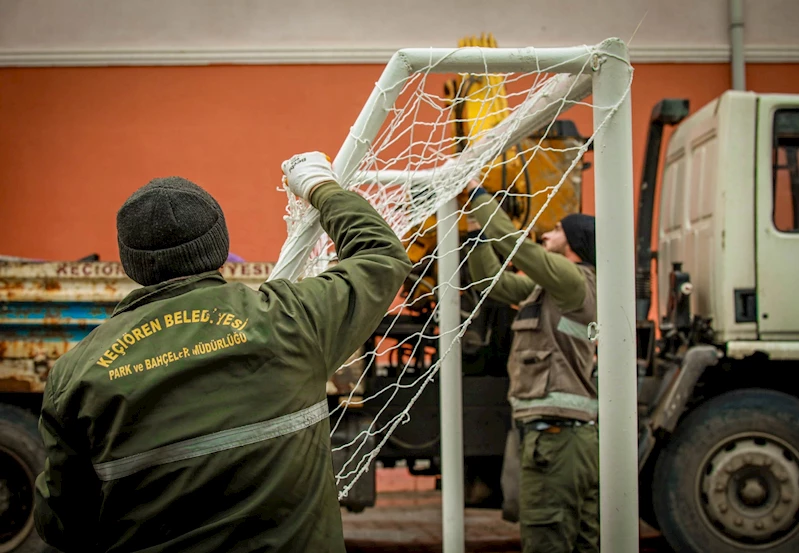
column 450, row 381
column 618, row 428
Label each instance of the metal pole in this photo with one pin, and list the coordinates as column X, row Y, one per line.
column 450, row 381
column 296, row 249
column 618, row 428
column 737, row 62
column 496, row 60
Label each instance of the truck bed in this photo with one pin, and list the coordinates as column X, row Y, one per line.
column 48, row 307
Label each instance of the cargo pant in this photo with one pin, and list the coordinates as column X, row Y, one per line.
column 559, row 495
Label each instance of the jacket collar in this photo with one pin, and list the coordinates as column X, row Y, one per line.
column 168, row 289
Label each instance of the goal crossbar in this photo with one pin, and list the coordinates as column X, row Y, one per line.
column 406, row 62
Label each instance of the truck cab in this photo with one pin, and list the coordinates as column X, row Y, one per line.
column 718, row 407
column 728, row 214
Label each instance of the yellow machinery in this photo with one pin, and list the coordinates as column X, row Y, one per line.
column 479, row 102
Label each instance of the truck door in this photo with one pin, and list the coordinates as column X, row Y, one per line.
column 777, row 208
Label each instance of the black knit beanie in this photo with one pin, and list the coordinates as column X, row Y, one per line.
column 171, row 228
column 580, row 233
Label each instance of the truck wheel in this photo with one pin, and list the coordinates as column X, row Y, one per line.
column 481, row 486
column 21, row 460
column 729, row 479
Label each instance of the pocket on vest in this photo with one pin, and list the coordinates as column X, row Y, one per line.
column 533, row 374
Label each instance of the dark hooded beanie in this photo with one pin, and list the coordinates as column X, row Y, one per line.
column 580, row 233
column 171, row 228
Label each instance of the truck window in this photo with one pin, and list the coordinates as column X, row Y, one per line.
column 785, row 170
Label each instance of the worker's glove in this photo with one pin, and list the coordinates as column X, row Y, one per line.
column 304, row 172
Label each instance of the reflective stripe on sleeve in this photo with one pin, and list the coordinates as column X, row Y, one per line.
column 573, row 328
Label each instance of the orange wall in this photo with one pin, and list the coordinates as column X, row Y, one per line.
column 75, row 142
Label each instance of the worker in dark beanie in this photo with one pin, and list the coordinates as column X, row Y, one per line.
column 580, row 231
column 196, row 419
column 171, row 228
column 552, row 394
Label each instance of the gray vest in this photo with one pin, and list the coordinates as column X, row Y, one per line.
column 552, row 359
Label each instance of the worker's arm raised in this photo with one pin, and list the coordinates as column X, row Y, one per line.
column 510, row 288
column 556, row 274
column 345, row 303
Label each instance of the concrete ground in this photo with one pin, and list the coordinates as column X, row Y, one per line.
column 411, row 521
column 407, row 518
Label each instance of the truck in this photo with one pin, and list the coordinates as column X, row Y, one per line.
column 718, row 411
column 718, row 407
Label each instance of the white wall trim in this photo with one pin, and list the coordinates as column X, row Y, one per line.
column 339, row 55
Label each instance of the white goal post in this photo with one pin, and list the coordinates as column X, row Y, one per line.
column 604, row 72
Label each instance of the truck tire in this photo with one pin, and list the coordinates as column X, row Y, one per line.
column 729, row 479
column 511, row 477
column 481, row 486
column 21, row 460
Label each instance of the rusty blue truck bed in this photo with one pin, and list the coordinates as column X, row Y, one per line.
column 48, row 307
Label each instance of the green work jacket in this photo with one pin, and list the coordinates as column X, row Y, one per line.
column 195, row 418
column 552, row 358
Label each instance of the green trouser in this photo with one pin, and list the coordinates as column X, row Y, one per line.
column 559, row 496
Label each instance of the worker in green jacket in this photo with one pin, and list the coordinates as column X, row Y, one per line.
column 195, row 418
column 552, row 393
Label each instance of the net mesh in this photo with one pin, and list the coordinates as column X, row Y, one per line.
column 505, row 130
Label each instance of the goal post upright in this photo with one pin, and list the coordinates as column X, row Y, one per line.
column 450, row 380
column 613, row 185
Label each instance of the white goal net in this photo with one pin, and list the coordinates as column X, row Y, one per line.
column 436, row 119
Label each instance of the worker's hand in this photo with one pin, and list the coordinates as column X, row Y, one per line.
column 474, row 183
column 472, row 224
column 304, row 172
column 466, row 194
